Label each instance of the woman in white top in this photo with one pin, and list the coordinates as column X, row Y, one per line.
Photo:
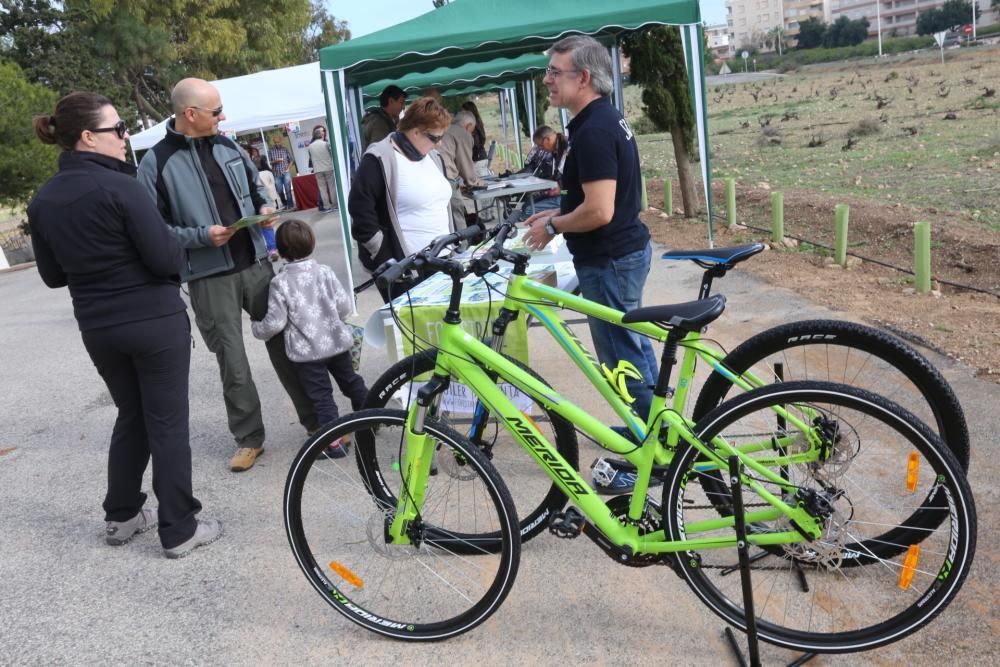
column 400, row 198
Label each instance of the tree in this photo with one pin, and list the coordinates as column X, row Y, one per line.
column 657, row 63
column 949, row 16
column 776, row 35
column 811, row 33
column 134, row 51
column 25, row 162
column 845, row 32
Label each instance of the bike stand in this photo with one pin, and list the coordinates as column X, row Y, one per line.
column 743, row 548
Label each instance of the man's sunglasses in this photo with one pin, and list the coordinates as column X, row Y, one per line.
column 435, row 138
column 119, row 128
column 215, row 112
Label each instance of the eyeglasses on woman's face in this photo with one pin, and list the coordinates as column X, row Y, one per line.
column 435, row 138
column 119, row 128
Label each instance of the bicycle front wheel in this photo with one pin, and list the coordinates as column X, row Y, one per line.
column 851, row 354
column 441, row 584
column 535, row 495
column 899, row 523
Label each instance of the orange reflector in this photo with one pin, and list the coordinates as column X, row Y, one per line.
column 912, row 472
column 347, row 575
column 909, row 566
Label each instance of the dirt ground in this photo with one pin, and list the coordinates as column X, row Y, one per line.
column 961, row 323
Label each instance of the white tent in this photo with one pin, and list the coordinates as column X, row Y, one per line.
column 259, row 101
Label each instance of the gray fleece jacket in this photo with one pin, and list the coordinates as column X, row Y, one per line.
column 308, row 303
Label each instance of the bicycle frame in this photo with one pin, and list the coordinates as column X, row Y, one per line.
column 542, row 302
column 464, row 357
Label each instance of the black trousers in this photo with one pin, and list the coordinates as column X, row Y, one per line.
column 145, row 366
column 315, row 378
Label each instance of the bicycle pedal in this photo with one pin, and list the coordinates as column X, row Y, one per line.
column 568, row 524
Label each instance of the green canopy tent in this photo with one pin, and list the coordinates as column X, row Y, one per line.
column 463, row 32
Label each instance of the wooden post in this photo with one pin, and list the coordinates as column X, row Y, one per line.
column 843, row 212
column 777, row 217
column 731, row 201
column 922, row 257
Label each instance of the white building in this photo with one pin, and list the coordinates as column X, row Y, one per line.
column 750, row 21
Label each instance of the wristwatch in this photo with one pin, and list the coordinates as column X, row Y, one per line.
column 549, row 228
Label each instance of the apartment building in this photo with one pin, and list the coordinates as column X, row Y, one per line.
column 796, row 11
column 718, row 40
column 749, row 21
column 898, row 17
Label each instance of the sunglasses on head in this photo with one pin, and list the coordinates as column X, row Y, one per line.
column 118, row 128
column 215, row 112
column 435, row 138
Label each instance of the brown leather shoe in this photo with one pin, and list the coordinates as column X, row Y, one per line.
column 244, row 458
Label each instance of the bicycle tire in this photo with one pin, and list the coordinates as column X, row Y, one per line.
column 841, row 609
column 337, row 529
column 536, row 497
column 876, row 352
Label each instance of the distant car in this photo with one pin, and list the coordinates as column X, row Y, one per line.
column 952, row 40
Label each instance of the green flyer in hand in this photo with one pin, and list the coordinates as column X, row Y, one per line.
column 251, row 220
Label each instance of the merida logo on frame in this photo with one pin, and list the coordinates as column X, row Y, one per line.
column 559, row 468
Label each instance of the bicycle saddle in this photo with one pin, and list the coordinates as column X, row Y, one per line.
column 688, row 316
column 728, row 257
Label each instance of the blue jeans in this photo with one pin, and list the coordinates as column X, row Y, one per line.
column 544, row 204
column 268, row 233
column 283, row 184
column 618, row 284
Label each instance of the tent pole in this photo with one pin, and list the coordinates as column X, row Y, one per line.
column 564, row 117
column 515, row 125
column 263, row 142
column 616, row 69
column 692, row 43
column 336, row 116
column 503, row 121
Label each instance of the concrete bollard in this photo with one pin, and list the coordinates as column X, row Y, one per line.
column 731, row 201
column 777, row 217
column 922, row 257
column 843, row 212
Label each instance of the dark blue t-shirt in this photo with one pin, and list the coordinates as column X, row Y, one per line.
column 601, row 147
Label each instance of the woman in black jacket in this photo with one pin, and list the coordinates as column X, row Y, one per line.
column 94, row 229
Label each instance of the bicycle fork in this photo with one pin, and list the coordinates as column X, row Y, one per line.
column 403, row 528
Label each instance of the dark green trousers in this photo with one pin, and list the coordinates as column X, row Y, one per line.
column 218, row 303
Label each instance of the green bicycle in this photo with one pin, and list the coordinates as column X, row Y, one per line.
column 822, row 488
column 843, row 352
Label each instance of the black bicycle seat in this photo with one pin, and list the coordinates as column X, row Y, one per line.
column 712, row 256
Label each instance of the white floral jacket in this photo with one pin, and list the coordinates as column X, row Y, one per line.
column 308, row 303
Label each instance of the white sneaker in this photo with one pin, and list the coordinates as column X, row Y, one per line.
column 118, row 533
column 208, row 531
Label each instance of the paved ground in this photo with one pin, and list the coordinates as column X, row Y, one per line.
column 66, row 598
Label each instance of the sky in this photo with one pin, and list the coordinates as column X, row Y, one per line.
column 365, row 16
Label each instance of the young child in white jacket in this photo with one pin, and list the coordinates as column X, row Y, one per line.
column 308, row 304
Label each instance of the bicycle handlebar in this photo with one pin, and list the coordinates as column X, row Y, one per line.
column 392, row 270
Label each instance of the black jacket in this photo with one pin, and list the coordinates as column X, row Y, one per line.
column 95, row 229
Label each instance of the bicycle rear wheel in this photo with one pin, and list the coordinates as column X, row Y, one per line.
column 852, row 354
column 440, row 585
column 536, row 496
column 899, row 527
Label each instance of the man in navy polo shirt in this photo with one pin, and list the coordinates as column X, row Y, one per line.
column 599, row 213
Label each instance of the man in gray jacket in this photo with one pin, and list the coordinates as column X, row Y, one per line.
column 202, row 183
column 456, row 154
